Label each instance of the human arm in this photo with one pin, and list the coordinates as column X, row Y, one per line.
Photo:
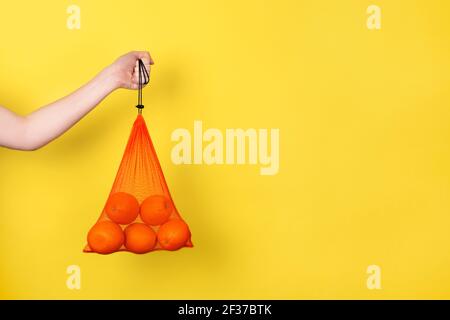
column 45, row 124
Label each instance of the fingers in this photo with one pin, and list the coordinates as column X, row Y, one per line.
column 135, row 76
column 132, row 85
column 144, row 56
column 134, row 79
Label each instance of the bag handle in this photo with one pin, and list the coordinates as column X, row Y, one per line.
column 144, row 78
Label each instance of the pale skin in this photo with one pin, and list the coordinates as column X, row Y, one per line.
column 35, row 130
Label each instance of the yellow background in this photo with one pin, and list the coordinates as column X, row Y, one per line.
column 364, row 147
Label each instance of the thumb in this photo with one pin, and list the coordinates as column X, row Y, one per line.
column 145, row 57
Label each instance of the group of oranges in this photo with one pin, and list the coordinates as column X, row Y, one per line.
column 122, row 209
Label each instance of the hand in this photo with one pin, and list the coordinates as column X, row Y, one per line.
column 124, row 72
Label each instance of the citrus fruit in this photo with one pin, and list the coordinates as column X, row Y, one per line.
column 155, row 210
column 105, row 237
column 173, row 234
column 122, row 208
column 139, row 238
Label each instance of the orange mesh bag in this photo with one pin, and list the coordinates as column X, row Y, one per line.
column 139, row 215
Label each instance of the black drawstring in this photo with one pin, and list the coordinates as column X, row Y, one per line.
column 143, row 80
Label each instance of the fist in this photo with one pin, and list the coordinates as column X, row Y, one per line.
column 125, row 70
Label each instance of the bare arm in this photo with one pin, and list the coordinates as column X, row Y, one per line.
column 35, row 130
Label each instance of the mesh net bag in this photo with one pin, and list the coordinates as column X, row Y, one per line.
column 139, row 215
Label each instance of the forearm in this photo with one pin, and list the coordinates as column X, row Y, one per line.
column 50, row 121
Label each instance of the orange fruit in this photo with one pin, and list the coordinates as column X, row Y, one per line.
column 173, row 234
column 105, row 237
column 139, row 238
column 122, row 208
column 156, row 210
